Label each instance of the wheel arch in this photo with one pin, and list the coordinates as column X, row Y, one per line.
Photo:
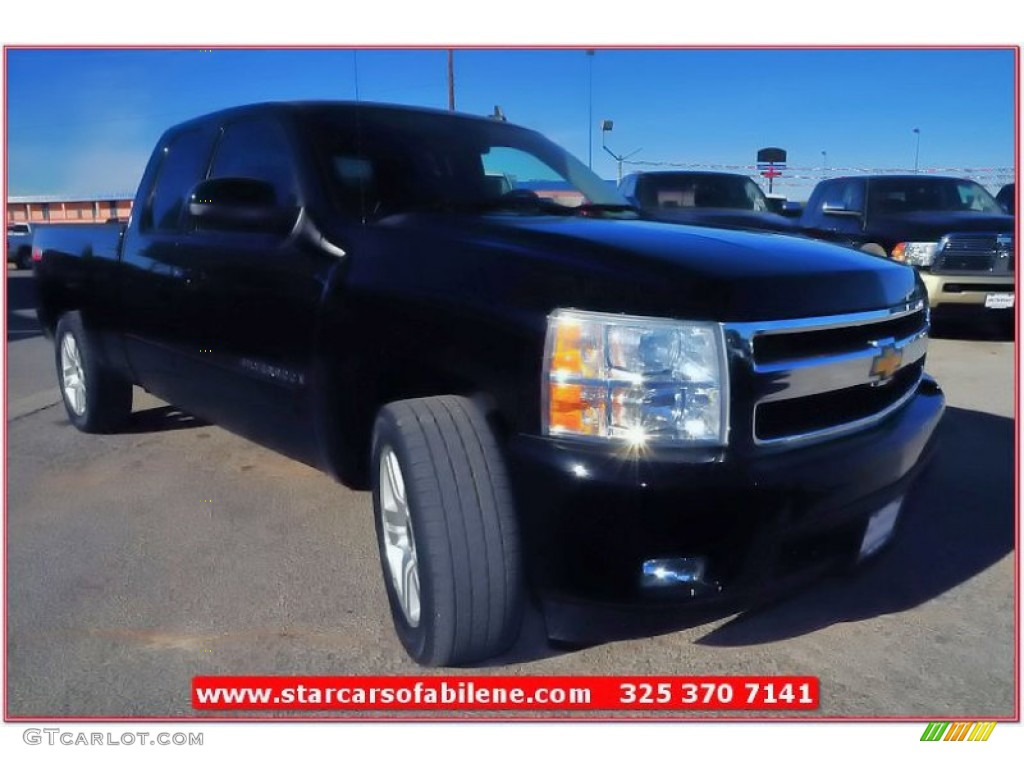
column 351, row 391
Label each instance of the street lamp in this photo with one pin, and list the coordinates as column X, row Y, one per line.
column 606, row 126
column 824, row 163
column 917, row 148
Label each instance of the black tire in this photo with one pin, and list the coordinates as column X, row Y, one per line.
column 24, row 258
column 107, row 397
column 465, row 536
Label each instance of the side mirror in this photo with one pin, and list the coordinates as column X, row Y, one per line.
column 838, row 209
column 234, row 204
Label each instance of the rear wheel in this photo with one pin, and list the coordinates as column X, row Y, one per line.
column 446, row 530
column 95, row 398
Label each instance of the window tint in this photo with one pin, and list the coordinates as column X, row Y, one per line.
column 700, row 190
column 393, row 162
column 183, row 165
column 509, row 168
column 847, row 194
column 902, row 195
column 257, row 149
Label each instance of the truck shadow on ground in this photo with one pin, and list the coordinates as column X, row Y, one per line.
column 960, row 523
column 970, row 329
column 164, row 418
column 21, row 298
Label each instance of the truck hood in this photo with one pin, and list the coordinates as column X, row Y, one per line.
column 928, row 225
column 727, row 218
column 651, row 268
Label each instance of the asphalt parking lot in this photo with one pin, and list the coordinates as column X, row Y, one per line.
column 138, row 560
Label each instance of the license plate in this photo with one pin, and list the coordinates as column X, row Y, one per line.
column 880, row 528
column 999, row 301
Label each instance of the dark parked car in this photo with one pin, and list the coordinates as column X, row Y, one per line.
column 562, row 399
column 704, row 198
column 19, row 245
column 951, row 230
column 1007, row 198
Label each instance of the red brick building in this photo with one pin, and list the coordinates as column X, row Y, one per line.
column 67, row 209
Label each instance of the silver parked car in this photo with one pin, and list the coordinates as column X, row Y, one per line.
column 19, row 245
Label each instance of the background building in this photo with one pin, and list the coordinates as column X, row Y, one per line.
column 70, row 209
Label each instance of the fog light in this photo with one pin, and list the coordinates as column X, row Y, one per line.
column 673, row 571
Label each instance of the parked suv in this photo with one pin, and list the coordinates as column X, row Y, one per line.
column 951, row 230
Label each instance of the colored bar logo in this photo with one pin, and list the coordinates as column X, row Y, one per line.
column 958, row 731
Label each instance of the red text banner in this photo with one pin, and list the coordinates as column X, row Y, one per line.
column 506, row 693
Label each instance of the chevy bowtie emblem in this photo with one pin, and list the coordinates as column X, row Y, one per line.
column 885, row 365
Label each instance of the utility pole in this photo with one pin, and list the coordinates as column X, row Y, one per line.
column 590, row 111
column 917, row 148
column 355, row 70
column 451, row 80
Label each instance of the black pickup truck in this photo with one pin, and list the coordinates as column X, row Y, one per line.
column 951, row 230
column 551, row 401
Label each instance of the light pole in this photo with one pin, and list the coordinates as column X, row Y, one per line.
column 606, row 126
column 917, row 148
column 451, row 80
column 824, row 164
column 590, row 110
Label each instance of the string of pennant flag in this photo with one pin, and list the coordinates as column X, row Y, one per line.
column 818, row 172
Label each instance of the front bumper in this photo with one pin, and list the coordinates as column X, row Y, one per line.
column 964, row 290
column 592, row 518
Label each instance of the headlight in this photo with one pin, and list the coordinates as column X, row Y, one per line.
column 914, row 254
column 636, row 379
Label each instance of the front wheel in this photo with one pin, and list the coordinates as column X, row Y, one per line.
column 446, row 530
column 95, row 398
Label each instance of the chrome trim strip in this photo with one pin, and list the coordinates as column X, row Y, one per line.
column 841, row 429
column 803, row 377
column 748, row 331
column 818, row 375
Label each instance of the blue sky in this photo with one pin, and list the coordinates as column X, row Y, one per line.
column 84, row 121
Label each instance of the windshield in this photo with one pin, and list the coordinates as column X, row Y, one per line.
column 17, row 229
column 380, row 162
column 661, row 191
column 903, row 195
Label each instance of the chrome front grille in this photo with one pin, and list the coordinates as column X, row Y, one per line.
column 812, row 379
column 972, row 253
